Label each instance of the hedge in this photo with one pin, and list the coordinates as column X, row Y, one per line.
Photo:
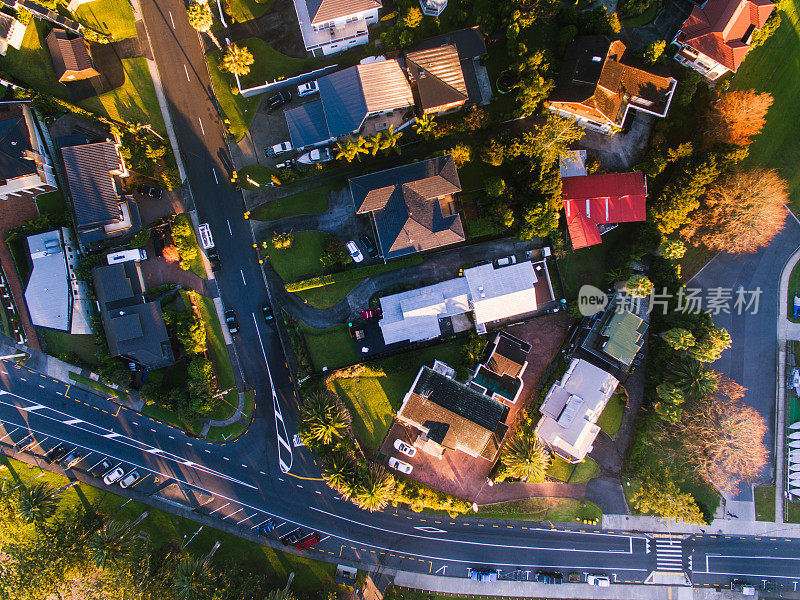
column 351, row 275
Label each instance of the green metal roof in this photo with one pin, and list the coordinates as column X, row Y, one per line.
column 625, row 333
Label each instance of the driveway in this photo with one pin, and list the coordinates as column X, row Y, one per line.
column 752, row 359
column 619, row 152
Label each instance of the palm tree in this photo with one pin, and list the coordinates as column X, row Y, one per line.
column 37, row 503
column 324, row 419
column 425, row 126
column 201, row 19
column 237, row 60
column 111, row 543
column 525, row 458
column 339, row 473
column 375, row 488
column 695, row 379
column 351, row 149
column 193, row 579
column 374, row 143
column 391, row 140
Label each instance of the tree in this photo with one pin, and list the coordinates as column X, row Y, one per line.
column 170, row 254
column 193, row 579
column 742, row 212
column 283, row 241
column 351, row 149
column 532, row 87
column 339, row 473
column 540, row 220
column 461, row 154
column 373, row 143
column 324, row 420
column 473, row 348
column 694, row 379
column 375, row 488
column 36, row 503
column 391, row 140
column 111, row 544
column 679, row 338
column 682, row 196
column 237, row 60
column 552, row 139
column 661, row 497
column 670, row 398
column 653, row 51
column 673, row 249
column 736, row 117
column 201, row 18
column 711, row 346
column 525, row 458
column 412, row 18
column 334, row 254
column 201, row 378
column 495, row 186
column 638, row 286
column 190, row 332
column 723, row 439
column 426, row 127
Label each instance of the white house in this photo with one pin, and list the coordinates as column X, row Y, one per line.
column 331, row 26
column 11, row 33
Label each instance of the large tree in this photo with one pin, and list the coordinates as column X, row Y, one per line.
column 323, row 419
column 723, row 439
column 201, row 18
column 237, row 60
column 736, row 117
column 679, row 338
column 36, row 503
column 375, row 488
column 742, row 212
column 524, row 458
column 694, row 379
column 663, row 499
column 711, row 346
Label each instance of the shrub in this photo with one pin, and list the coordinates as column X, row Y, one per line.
column 461, row 153
column 283, row 241
column 495, row 186
column 140, row 239
column 190, row 332
column 170, row 254
column 653, row 51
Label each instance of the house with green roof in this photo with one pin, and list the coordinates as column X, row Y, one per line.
column 625, row 335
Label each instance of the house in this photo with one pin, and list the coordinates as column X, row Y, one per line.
column 594, row 204
column 448, row 415
column 623, row 335
column 571, row 408
column 347, row 99
column 48, row 293
column 432, row 8
column 500, row 375
column 134, row 327
column 25, row 167
column 11, row 33
column 437, row 79
column 597, row 90
column 331, row 26
column 70, row 56
column 100, row 211
column 498, row 294
column 716, row 36
column 411, row 206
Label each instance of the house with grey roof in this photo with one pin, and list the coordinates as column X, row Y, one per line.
column 70, row 56
column 135, row 328
column 11, row 33
column 25, row 166
column 48, row 294
column 347, row 99
column 411, row 206
column 100, row 210
column 331, row 26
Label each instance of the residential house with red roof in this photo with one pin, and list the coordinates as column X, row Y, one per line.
column 716, row 36
column 594, row 204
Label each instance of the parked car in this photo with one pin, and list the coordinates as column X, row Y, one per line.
column 369, row 245
column 278, row 100
column 113, row 475
column 505, row 261
column 214, row 259
column 231, row 321
column 56, row 452
column 355, row 253
column 311, row 540
column 307, row 88
column 292, row 537
column 71, row 459
column 598, row 580
column 371, row 313
column 317, row 155
column 278, row 148
column 101, row 468
column 25, row 443
column 287, row 164
column 551, row 577
column 266, row 527
column 130, row 479
column 268, row 314
column 483, row 575
column 409, row 451
column 574, row 577
column 399, row 465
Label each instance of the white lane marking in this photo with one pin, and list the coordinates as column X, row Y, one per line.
column 244, row 465
column 135, row 423
column 31, row 408
column 229, row 226
column 171, row 19
column 233, row 513
column 170, row 437
column 214, row 171
column 153, row 430
column 243, row 280
column 225, row 458
column 298, row 485
column 97, row 463
column 112, row 435
column 23, row 379
column 185, row 70
column 188, row 443
column 260, row 524
column 431, row 529
column 41, row 386
column 153, row 451
column 220, row 508
column 262, row 472
column 73, row 421
column 9, row 433
column 59, row 393
column 201, row 125
column 243, row 520
column 207, row 451
column 317, row 492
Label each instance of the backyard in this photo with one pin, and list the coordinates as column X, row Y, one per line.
column 61, row 343
column 587, row 265
column 332, row 348
column 611, row 418
column 112, row 17
column 582, row 472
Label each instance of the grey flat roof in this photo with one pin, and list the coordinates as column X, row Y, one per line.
column 91, row 185
column 48, row 293
column 307, row 124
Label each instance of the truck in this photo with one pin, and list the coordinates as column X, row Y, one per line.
column 136, row 254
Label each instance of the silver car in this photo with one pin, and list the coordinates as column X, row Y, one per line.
column 399, row 465
column 113, row 475
column 130, row 479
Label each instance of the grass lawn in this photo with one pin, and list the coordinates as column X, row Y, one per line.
column 474, row 174
column 765, row 69
column 166, row 529
column 113, row 17
column 196, row 264
column 643, row 19
column 309, row 202
column 611, row 417
column 560, row 469
column 253, row 177
column 584, row 471
column 483, row 226
column 557, row 510
column 791, row 513
column 270, row 64
column 244, row 10
column 587, row 265
column 159, row 413
column 332, row 347
column 696, row 258
column 629, row 488
column 60, row 343
column 302, row 258
column 222, row 434
column 794, row 288
column 104, row 389
column 765, row 503
column 51, row 203
column 327, row 296
column 237, row 109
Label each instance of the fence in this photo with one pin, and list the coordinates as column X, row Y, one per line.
column 289, row 81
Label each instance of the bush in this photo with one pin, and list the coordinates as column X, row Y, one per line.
column 495, row 186
column 632, row 8
column 185, row 241
column 418, row 497
column 461, row 153
column 190, row 332
column 653, row 51
column 283, row 241
column 140, row 239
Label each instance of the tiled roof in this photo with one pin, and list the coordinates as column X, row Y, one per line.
column 68, row 53
column 88, row 168
column 323, row 11
column 437, row 75
column 721, row 29
column 508, row 355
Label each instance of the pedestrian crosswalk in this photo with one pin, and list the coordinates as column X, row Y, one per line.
column 669, row 554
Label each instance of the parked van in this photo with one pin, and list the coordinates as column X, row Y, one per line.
column 137, row 254
column 206, row 239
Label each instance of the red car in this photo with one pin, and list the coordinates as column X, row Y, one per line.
column 371, row 313
column 307, row 542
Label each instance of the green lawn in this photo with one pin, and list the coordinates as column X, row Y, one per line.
column 302, row 258
column 556, row 510
column 159, row 413
column 238, row 110
column 560, row 469
column 60, row 343
column 244, row 10
column 587, row 265
column 113, row 17
column 791, row 513
column 611, row 418
column 642, row 19
column 327, row 296
column 166, row 529
column 696, row 258
column 332, row 347
column 253, row 177
column 51, row 203
column 584, row 471
column 196, row 264
column 309, row 202
column 767, row 69
column 794, row 289
column 629, row 488
column 104, row 389
column 765, row 503
column 223, row 434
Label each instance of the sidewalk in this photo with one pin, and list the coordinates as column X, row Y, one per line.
column 718, row 526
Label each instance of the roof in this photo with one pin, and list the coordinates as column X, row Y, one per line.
column 593, row 79
column 14, row 142
column 405, row 207
column 436, row 73
column 455, row 415
column 68, row 53
column 501, row 293
column 47, row 293
column 118, row 284
column 6, row 23
column 509, row 355
column 572, row 163
column 307, row 124
column 722, row 29
column 571, row 408
column 322, row 11
column 625, row 332
column 591, row 200
column 350, row 95
column 91, row 185
column 469, row 42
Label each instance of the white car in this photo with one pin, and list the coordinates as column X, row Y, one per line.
column 598, row 581
column 130, row 479
column 355, row 253
column 113, row 476
column 279, row 148
column 307, row 88
column 399, row 465
column 409, row 451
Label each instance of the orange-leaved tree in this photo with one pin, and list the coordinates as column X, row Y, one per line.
column 736, row 117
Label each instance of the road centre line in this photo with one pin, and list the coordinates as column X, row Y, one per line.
column 214, row 172
column 201, row 125
column 243, row 280
column 171, row 19
column 185, row 70
column 229, row 226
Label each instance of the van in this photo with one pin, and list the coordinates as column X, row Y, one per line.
column 206, row 239
column 137, row 254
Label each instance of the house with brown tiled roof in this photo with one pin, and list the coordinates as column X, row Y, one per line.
column 716, row 37
column 596, row 89
column 70, row 56
column 437, row 79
